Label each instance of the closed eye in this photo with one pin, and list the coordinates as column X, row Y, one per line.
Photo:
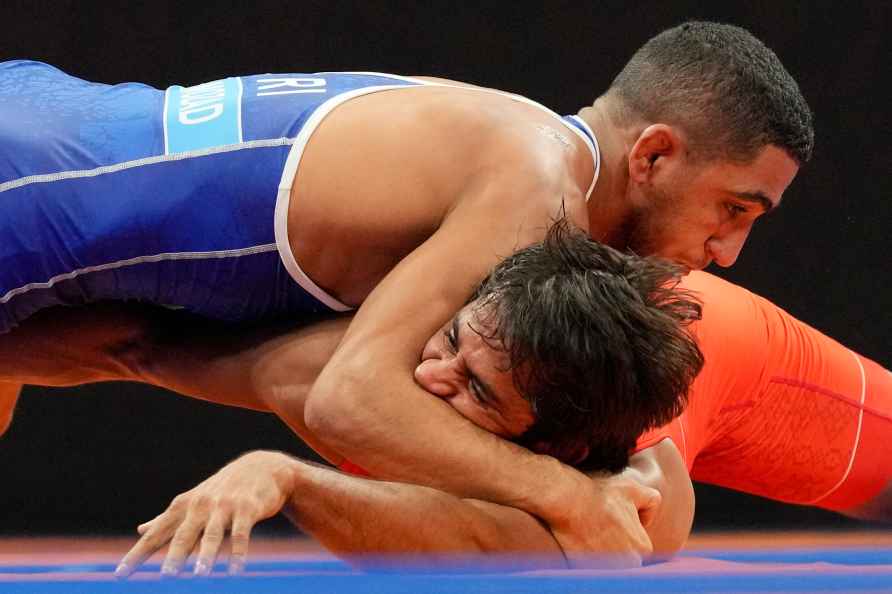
column 451, row 340
column 476, row 392
column 736, row 209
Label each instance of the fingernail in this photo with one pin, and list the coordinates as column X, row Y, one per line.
column 236, row 568
column 121, row 570
column 201, row 568
column 168, row 570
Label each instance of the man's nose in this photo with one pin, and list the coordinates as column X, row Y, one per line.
column 725, row 249
column 439, row 376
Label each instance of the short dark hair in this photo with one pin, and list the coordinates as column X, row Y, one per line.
column 597, row 343
column 724, row 87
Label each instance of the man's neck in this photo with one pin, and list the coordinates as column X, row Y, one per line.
column 608, row 208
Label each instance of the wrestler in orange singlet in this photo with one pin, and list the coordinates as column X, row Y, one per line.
column 780, row 410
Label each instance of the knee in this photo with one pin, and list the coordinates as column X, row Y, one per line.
column 139, row 343
column 876, row 509
column 132, row 354
column 9, row 395
column 5, row 421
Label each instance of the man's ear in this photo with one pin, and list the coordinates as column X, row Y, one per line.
column 656, row 142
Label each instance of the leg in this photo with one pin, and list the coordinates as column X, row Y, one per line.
column 64, row 346
column 9, row 395
column 268, row 368
column 867, row 492
column 878, row 508
column 224, row 363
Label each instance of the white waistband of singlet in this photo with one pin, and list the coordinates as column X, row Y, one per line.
column 283, row 199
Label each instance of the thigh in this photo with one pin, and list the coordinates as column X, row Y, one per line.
column 63, row 346
column 867, row 491
column 816, row 434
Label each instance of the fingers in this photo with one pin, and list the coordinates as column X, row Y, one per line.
column 213, row 536
column 639, row 513
column 155, row 535
column 641, row 542
column 240, row 537
column 182, row 525
column 241, row 494
column 181, row 545
column 142, row 528
column 610, row 532
column 604, row 560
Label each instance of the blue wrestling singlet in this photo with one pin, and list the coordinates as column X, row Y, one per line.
column 177, row 198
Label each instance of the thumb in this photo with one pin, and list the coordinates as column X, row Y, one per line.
column 641, row 495
column 143, row 528
column 648, row 501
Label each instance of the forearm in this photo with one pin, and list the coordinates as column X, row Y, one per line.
column 351, row 516
column 418, row 438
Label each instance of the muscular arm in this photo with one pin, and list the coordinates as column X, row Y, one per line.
column 367, row 405
column 351, row 516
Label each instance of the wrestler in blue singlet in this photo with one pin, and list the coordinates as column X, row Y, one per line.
column 169, row 197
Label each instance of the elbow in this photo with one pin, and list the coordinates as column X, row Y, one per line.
column 334, row 410
column 671, row 530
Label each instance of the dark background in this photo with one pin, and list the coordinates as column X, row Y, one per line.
column 104, row 458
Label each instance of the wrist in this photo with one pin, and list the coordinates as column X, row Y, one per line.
column 282, row 468
column 562, row 484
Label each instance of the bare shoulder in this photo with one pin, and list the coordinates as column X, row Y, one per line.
column 450, row 133
column 518, row 153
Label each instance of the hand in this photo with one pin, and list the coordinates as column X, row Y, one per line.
column 244, row 492
column 602, row 522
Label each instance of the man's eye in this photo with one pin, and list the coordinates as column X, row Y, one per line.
column 450, row 339
column 474, row 389
column 736, row 209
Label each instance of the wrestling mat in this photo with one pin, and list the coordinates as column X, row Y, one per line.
column 729, row 562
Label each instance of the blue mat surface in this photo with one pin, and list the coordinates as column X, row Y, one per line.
column 859, row 569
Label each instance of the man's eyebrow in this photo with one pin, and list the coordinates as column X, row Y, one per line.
column 488, row 393
column 758, row 197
